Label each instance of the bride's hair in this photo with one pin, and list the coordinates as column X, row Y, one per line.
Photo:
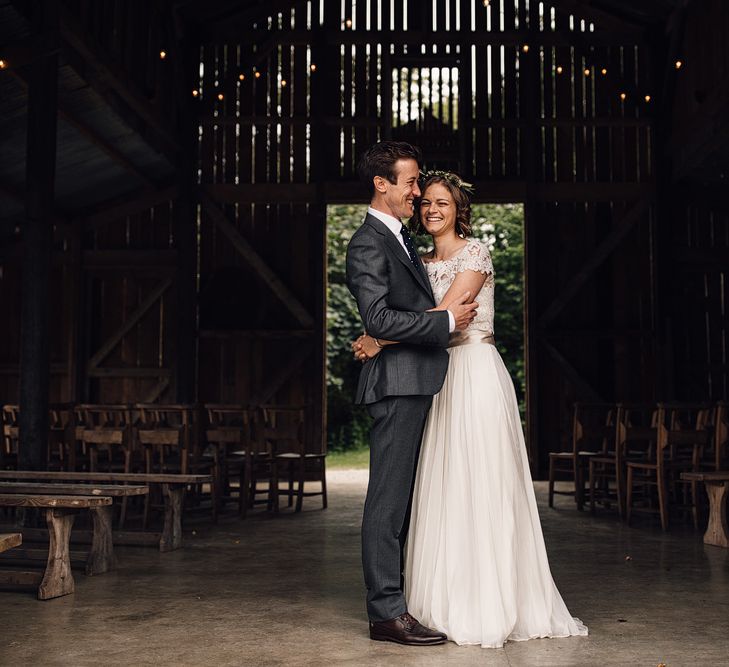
column 460, row 197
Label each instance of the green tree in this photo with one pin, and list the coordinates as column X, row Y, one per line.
column 501, row 226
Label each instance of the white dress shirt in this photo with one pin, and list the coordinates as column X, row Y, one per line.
column 395, row 226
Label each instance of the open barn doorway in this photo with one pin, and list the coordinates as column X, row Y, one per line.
column 502, row 227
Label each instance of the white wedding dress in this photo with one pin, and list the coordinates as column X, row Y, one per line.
column 475, row 563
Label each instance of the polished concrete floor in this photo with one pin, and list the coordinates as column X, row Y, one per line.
column 288, row 591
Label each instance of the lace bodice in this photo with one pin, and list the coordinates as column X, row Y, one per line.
column 473, row 256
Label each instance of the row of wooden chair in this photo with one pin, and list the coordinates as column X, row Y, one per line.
column 243, row 447
column 632, row 456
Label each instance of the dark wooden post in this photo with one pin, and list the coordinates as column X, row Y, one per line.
column 42, row 77
column 186, row 63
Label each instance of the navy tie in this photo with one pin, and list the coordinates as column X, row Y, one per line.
column 410, row 247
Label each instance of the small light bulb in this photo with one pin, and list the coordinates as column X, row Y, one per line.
column 283, row 83
column 313, row 67
column 348, row 23
column 559, row 69
column 587, row 71
column 162, row 55
column 257, row 75
column 486, row 3
column 623, row 96
column 603, row 71
column 241, row 77
column 221, row 96
column 647, row 98
column 3, row 64
column 679, row 64
column 195, row 93
column 525, row 48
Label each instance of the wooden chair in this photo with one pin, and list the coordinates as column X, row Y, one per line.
column 234, row 436
column 9, row 447
column 61, row 441
column 106, row 433
column 285, row 429
column 593, row 433
column 166, row 435
column 681, row 434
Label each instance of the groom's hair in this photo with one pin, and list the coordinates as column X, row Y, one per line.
column 380, row 159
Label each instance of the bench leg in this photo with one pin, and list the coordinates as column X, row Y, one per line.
column 101, row 557
column 717, row 532
column 171, row 538
column 58, row 580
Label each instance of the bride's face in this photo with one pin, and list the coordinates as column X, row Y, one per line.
column 438, row 210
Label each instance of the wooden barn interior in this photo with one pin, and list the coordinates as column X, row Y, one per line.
column 166, row 167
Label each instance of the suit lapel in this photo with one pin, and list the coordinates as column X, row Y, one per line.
column 399, row 252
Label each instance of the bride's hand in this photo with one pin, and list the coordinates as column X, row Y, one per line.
column 365, row 348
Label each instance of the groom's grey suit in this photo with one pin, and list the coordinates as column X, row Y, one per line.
column 397, row 386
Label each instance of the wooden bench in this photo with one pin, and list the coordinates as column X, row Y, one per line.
column 173, row 488
column 57, row 579
column 10, row 540
column 717, row 488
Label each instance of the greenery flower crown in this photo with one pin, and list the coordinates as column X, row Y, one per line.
column 449, row 176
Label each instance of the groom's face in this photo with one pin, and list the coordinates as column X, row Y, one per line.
column 399, row 196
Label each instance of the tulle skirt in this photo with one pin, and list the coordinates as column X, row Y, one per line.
column 476, row 566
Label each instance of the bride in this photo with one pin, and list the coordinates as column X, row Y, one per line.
column 476, row 566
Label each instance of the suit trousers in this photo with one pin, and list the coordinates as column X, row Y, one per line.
column 395, row 438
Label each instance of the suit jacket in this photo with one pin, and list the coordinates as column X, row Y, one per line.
column 392, row 296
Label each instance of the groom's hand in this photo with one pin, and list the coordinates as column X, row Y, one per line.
column 463, row 313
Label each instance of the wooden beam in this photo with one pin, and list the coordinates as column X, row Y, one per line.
column 37, row 241
column 135, row 372
column 140, row 311
column 583, row 388
column 596, row 258
column 255, row 261
column 603, row 19
column 122, row 207
column 283, row 372
column 129, row 259
column 107, row 77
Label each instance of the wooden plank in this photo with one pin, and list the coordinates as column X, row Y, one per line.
column 119, row 208
column 256, row 262
column 53, row 501
column 74, row 489
column 120, row 537
column 20, row 578
column 585, row 391
column 10, row 540
column 128, row 324
column 596, row 258
column 140, row 478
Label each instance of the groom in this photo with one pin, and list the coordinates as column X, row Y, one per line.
column 388, row 280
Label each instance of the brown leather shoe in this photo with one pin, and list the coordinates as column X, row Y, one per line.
column 404, row 629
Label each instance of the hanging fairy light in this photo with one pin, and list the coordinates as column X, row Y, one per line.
column 195, row 93
column 559, row 69
column 603, row 71
column 221, row 97
column 486, row 3
column 3, row 64
column 348, row 23
column 257, row 75
column 162, row 55
column 678, row 64
column 647, row 98
column 312, row 67
column 283, row 83
column 241, row 77
column 623, row 96
column 525, row 48
column 587, row 71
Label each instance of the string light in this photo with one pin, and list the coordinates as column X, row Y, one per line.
column 623, row 96
column 647, row 98
column 559, row 69
column 195, row 93
column 257, row 75
column 313, row 67
column 162, row 55
column 283, row 83
column 221, row 96
column 587, row 71
column 241, row 77
column 3, row 64
column 348, row 23
column 486, row 3
column 603, row 71
column 679, row 64
column 525, row 48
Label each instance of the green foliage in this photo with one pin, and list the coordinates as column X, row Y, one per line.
column 501, row 226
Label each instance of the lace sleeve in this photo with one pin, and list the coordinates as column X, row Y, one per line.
column 475, row 257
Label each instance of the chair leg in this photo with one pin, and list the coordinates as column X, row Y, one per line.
column 291, row 485
column 551, row 482
column 620, row 490
column 578, row 473
column 300, row 490
column 592, row 487
column 125, row 499
column 273, row 495
column 662, row 500
column 324, row 483
column 629, row 498
column 243, row 481
column 695, row 504
column 147, row 499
